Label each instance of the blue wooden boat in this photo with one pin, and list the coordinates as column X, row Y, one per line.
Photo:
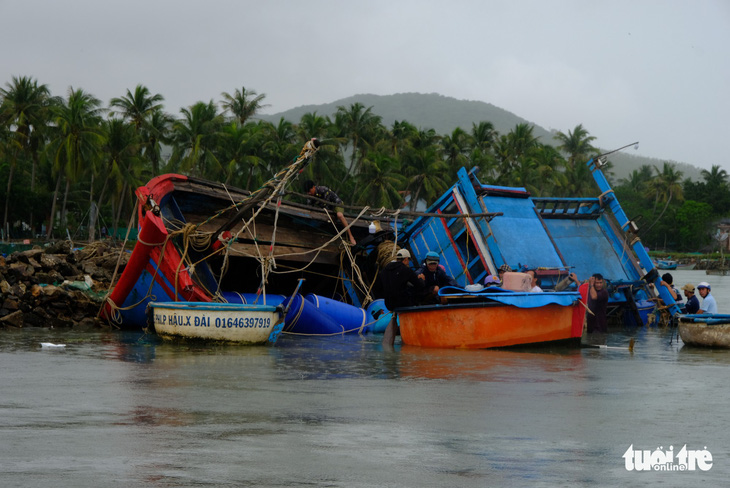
column 555, row 236
column 666, row 264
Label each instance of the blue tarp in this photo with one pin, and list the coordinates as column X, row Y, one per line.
column 515, row 299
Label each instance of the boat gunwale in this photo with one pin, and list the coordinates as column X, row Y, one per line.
column 214, row 306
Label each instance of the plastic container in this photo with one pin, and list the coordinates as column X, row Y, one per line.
column 305, row 318
column 517, row 281
column 352, row 319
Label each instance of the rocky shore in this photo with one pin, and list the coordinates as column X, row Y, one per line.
column 56, row 286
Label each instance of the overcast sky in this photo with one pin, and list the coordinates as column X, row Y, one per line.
column 655, row 71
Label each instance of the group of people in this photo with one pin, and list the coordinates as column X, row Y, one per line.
column 709, row 305
column 405, row 287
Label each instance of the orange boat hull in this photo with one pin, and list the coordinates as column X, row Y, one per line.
column 456, row 326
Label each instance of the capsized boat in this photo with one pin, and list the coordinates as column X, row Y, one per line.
column 493, row 318
column 202, row 241
column 552, row 235
column 705, row 330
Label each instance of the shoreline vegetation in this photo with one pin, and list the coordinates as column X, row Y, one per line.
column 71, row 164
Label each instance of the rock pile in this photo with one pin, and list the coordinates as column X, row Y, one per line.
column 56, row 286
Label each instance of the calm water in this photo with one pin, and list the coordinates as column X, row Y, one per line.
column 120, row 409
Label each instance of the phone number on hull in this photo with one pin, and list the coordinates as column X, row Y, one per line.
column 218, row 322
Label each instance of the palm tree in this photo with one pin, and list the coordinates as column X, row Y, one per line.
column 281, row 146
column 156, row 132
column 243, row 104
column 120, row 164
column 576, row 144
column 666, row 185
column 456, row 147
column 401, row 136
column 238, row 149
column 357, row 125
column 716, row 176
column 483, row 136
column 151, row 124
column 424, row 168
column 195, row 138
column 25, row 106
column 77, row 141
column 139, row 106
column 382, row 180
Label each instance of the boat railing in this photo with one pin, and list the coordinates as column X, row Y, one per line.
column 568, row 208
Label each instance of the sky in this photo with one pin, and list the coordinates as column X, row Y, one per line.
column 656, row 71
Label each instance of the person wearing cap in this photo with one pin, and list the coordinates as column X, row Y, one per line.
column 492, row 280
column 693, row 303
column 501, row 271
column 335, row 203
column 435, row 278
column 708, row 301
column 402, row 287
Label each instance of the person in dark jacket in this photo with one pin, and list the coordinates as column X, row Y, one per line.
column 435, row 278
column 597, row 304
column 693, row 303
column 335, row 203
column 402, row 287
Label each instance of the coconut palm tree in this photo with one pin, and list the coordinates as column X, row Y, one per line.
column 576, row 144
column 716, row 175
column 665, row 186
column 238, row 152
column 455, row 149
column 77, row 142
column 483, row 136
column 24, row 111
column 358, row 125
column 155, row 133
column 139, row 106
column 425, row 168
column 243, row 104
column 151, row 124
column 195, row 138
column 382, row 180
column 120, row 164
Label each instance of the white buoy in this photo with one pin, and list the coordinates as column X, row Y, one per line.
column 50, row 345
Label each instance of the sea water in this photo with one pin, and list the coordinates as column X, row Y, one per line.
column 126, row 409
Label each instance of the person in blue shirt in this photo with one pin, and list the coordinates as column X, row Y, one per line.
column 708, row 301
column 693, row 303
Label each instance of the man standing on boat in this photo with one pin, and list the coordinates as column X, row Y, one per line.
column 435, row 278
column 335, row 203
column 708, row 301
column 693, row 303
column 402, row 287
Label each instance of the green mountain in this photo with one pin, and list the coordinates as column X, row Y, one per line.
column 444, row 114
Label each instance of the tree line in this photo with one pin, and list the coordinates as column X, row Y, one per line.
column 73, row 162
